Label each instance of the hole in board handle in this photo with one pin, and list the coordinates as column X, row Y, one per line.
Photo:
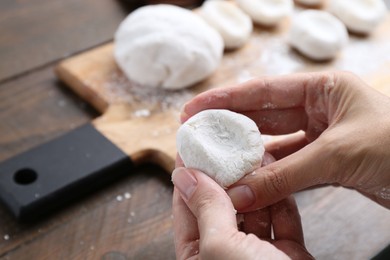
column 25, row 176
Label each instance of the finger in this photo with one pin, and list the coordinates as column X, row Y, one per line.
column 185, row 228
column 274, row 182
column 207, row 201
column 266, row 93
column 287, row 228
column 286, row 221
column 287, row 145
column 258, row 222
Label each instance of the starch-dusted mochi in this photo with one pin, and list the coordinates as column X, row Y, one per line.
column 223, row 144
column 360, row 16
column 310, row 2
column 167, row 46
column 317, row 34
column 266, row 12
column 234, row 25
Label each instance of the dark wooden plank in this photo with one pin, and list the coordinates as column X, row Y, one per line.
column 33, row 33
column 36, row 108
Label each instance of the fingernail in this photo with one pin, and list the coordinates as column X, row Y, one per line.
column 241, row 196
column 184, row 181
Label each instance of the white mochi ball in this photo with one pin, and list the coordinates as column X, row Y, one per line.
column 266, row 12
column 223, row 144
column 167, row 46
column 360, row 16
column 233, row 24
column 317, row 34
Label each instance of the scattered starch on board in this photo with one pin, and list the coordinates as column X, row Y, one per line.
column 120, row 89
column 142, row 113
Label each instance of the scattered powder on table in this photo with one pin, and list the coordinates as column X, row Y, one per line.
column 61, row 103
column 277, row 57
column 119, row 198
column 127, row 195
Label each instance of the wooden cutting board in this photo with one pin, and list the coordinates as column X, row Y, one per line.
column 143, row 122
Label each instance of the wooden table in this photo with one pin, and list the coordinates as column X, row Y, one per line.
column 130, row 219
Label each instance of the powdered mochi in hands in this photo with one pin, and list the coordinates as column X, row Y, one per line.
column 223, row 144
column 167, row 46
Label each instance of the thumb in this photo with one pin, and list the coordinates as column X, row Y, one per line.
column 276, row 181
column 208, row 202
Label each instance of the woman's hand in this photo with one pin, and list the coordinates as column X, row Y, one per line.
column 346, row 138
column 205, row 224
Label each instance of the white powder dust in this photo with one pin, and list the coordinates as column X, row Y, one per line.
column 120, row 90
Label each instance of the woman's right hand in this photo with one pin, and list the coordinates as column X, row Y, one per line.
column 346, row 137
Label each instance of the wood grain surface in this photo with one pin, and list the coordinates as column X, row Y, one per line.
column 132, row 218
column 35, row 33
